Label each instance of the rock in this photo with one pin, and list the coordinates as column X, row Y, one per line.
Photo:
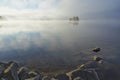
column 84, row 75
column 2, row 68
column 78, row 78
column 90, row 64
column 10, row 72
column 96, row 58
column 33, row 76
column 92, row 70
column 62, row 77
column 87, row 71
column 53, row 79
column 96, row 49
column 23, row 73
column 46, row 78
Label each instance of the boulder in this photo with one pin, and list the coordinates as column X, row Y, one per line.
column 2, row 68
column 23, row 73
column 62, row 77
column 10, row 72
column 33, row 76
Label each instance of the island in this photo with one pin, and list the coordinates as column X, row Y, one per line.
column 75, row 18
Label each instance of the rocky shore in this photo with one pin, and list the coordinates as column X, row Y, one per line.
column 91, row 70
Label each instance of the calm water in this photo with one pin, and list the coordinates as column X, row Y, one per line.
column 58, row 43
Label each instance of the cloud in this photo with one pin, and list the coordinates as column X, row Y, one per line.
column 88, row 8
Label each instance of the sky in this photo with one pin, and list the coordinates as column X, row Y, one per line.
column 85, row 9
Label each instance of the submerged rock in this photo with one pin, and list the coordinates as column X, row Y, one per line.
column 96, row 49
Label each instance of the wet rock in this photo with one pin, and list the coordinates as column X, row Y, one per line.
column 96, row 58
column 78, row 78
column 96, row 50
column 84, row 75
column 2, row 68
column 46, row 78
column 33, row 76
column 10, row 72
column 90, row 64
column 88, row 71
column 23, row 73
column 62, row 77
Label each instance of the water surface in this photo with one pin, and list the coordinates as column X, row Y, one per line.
column 58, row 43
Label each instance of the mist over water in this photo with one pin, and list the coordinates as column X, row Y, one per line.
column 58, row 42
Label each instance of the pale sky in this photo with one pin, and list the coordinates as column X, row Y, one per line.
column 93, row 9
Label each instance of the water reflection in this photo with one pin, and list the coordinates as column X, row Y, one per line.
column 74, row 22
column 0, row 26
column 41, row 43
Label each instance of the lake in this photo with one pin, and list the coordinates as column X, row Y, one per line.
column 58, row 44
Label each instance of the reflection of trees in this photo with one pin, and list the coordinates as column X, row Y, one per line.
column 75, row 23
column 0, row 25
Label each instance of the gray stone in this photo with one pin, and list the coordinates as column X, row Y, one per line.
column 23, row 73
column 62, row 77
column 10, row 72
column 33, row 76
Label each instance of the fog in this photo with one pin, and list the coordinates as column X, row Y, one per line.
column 57, row 9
